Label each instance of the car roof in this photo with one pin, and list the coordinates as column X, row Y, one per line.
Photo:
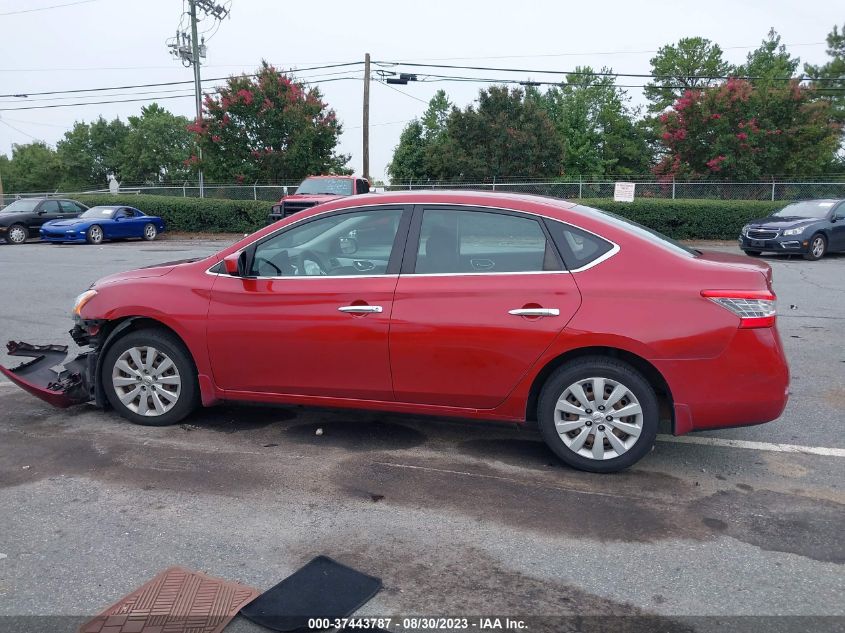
column 344, row 177
column 455, row 197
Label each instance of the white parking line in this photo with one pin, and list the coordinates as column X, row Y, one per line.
column 755, row 446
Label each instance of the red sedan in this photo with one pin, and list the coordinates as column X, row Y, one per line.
column 491, row 306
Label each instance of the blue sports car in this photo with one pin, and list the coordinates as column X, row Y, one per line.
column 103, row 223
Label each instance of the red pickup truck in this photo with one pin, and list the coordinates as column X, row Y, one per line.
column 315, row 190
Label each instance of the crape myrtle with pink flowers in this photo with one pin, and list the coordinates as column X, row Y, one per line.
column 266, row 127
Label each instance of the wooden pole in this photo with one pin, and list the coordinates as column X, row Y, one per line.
column 367, row 117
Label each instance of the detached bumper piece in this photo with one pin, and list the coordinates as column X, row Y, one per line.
column 72, row 385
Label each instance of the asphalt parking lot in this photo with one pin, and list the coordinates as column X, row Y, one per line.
column 458, row 518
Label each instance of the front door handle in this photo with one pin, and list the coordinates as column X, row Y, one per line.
column 361, row 309
column 535, row 312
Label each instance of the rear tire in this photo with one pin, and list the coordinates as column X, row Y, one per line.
column 149, row 378
column 150, row 232
column 94, row 235
column 572, row 418
column 17, row 234
column 818, row 247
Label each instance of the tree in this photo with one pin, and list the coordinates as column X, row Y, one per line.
column 693, row 63
column 33, row 167
column 829, row 79
column 267, row 127
column 436, row 116
column 421, row 140
column 90, row 152
column 739, row 132
column 505, row 136
column 596, row 125
column 409, row 156
column 156, row 147
column 770, row 61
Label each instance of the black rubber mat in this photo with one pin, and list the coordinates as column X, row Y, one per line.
column 322, row 589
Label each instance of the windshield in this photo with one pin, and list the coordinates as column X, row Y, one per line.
column 21, row 206
column 98, row 212
column 817, row 209
column 655, row 237
column 333, row 186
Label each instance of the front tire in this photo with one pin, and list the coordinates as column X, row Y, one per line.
column 149, row 378
column 94, row 235
column 598, row 414
column 150, row 232
column 818, row 247
column 754, row 253
column 17, row 234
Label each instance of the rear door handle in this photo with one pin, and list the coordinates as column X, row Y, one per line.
column 361, row 309
column 535, row 312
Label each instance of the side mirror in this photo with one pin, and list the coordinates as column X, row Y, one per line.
column 348, row 245
column 41, row 212
column 232, row 264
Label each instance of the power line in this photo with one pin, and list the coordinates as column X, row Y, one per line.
column 401, row 92
column 591, row 73
column 191, row 95
column 166, row 83
column 55, row 6
column 321, row 78
column 9, row 125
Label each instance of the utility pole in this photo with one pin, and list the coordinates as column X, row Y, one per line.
column 367, row 117
column 191, row 50
column 195, row 52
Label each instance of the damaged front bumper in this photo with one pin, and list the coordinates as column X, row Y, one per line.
column 71, row 384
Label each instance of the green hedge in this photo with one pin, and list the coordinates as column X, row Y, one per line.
column 192, row 214
column 681, row 219
column 689, row 219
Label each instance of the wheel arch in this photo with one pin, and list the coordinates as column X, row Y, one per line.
column 112, row 331
column 649, row 371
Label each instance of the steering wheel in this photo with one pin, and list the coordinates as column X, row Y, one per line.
column 309, row 256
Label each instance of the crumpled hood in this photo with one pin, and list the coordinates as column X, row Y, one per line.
column 781, row 223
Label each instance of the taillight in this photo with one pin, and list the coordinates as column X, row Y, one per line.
column 755, row 308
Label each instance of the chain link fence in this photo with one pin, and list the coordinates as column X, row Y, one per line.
column 572, row 188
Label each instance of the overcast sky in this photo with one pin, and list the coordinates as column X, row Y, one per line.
column 118, row 42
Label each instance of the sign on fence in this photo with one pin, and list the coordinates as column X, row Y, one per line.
column 624, row 191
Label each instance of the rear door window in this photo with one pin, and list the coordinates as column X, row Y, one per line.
column 480, row 241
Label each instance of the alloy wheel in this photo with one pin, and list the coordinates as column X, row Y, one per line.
column 17, row 235
column 146, row 381
column 95, row 234
column 598, row 418
column 818, row 247
column 150, row 232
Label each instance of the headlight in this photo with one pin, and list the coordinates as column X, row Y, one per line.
column 745, row 228
column 797, row 231
column 81, row 300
